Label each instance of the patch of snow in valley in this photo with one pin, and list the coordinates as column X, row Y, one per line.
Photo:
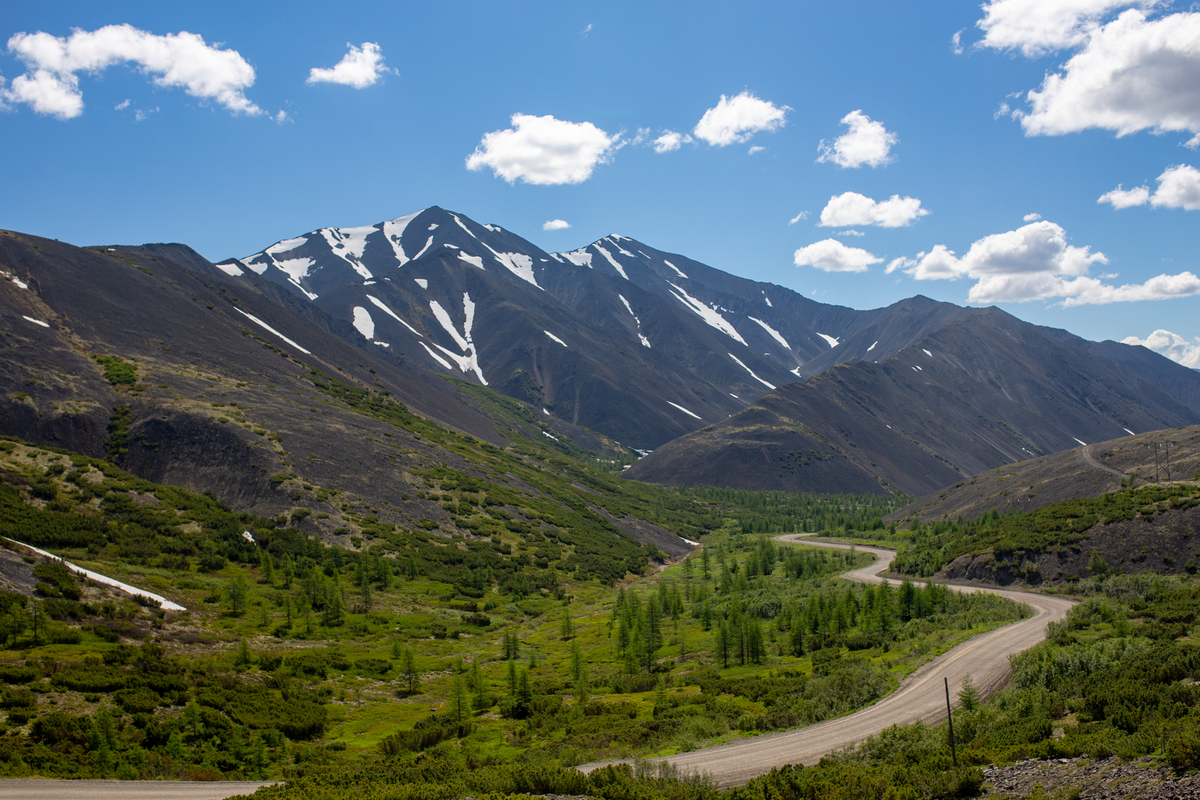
column 163, row 602
column 475, row 261
column 832, row 341
column 1080, row 441
column 926, row 352
column 447, row 324
column 268, row 328
column 872, row 347
column 555, row 338
column 382, row 344
column 363, row 323
column 36, row 321
column 452, row 246
column 424, row 284
column 734, row 396
column 433, row 227
column 776, row 334
column 551, row 435
column 390, row 313
column 1131, row 433
column 684, row 410
column 707, row 313
column 544, row 411
column 768, row 301
column 368, row 283
column 795, row 372
column 689, row 541
column 678, row 271
column 752, row 375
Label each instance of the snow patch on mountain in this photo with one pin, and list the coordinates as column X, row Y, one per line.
column 774, row 333
column 752, row 375
column 469, row 361
column 286, row 246
column 684, row 410
column 363, row 322
column 926, row 352
column 518, row 264
column 677, row 269
column 768, row 301
column 36, row 321
column 476, row 261
column 268, row 328
column 424, row 284
column 555, row 338
column 872, row 347
column 433, row 227
column 348, row 244
column 230, row 269
column 436, row 357
column 428, row 245
column 393, row 230
column 707, row 313
column 464, row 227
column 629, row 308
column 833, row 342
column 380, row 304
column 580, row 258
column 611, row 260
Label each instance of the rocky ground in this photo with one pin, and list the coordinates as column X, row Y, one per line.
column 1089, row 779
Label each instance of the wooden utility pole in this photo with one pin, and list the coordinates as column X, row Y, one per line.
column 950, row 719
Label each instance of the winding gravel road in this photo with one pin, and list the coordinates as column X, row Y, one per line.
column 921, row 696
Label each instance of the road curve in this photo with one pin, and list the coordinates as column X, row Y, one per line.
column 921, row 696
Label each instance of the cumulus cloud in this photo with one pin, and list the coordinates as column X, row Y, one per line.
column 830, row 255
column 1171, row 345
column 544, row 151
column 1035, row 262
column 756, row 149
column 177, row 60
column 670, row 140
column 1132, row 74
column 852, row 208
column 1032, row 217
column 1038, row 27
column 867, row 142
column 360, row 67
column 735, row 119
column 555, row 225
column 798, row 217
column 1178, row 187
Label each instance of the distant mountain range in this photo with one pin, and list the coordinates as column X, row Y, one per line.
column 616, row 345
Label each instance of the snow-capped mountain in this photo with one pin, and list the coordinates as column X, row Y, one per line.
column 617, row 336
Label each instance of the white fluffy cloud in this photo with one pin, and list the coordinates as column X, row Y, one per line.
column 831, row 255
column 1133, row 74
column 852, row 208
column 555, row 225
column 671, row 140
column 360, row 67
column 736, row 119
column 1035, row 262
column 1171, row 345
column 176, row 60
column 544, row 151
column 1037, row 27
column 867, row 142
column 1178, row 187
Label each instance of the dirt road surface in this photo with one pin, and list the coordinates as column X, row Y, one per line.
column 23, row 789
column 921, row 696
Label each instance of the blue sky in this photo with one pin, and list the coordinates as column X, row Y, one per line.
column 1040, row 155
